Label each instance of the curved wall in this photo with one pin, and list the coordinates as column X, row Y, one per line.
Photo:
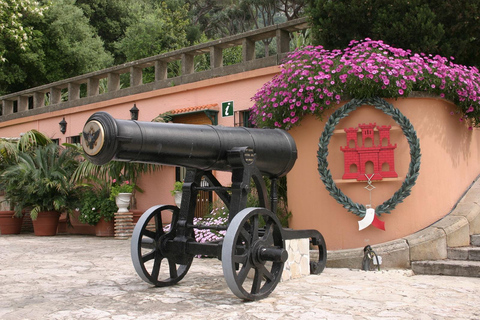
column 449, row 164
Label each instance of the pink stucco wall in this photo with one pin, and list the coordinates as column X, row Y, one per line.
column 238, row 88
column 450, row 154
column 449, row 164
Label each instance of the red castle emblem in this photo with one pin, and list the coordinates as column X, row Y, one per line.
column 368, row 155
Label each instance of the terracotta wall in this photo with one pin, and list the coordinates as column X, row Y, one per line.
column 449, row 164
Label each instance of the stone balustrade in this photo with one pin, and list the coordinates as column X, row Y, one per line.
column 106, row 84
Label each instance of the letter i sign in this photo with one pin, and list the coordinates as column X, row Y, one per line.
column 227, row 109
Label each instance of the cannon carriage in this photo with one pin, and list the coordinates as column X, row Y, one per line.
column 253, row 250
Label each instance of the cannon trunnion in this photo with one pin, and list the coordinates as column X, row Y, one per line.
column 253, row 250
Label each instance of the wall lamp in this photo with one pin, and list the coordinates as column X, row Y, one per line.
column 134, row 112
column 63, row 126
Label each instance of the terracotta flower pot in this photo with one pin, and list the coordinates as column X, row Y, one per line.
column 104, row 228
column 10, row 224
column 46, row 223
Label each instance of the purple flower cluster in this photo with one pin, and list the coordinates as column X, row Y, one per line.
column 217, row 217
column 314, row 79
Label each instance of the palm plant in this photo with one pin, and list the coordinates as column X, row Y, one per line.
column 10, row 148
column 91, row 174
column 41, row 180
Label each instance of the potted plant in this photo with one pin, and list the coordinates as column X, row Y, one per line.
column 11, row 223
column 177, row 192
column 40, row 182
column 98, row 209
column 128, row 171
column 121, row 192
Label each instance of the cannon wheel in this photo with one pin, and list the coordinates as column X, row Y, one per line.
column 247, row 275
column 150, row 262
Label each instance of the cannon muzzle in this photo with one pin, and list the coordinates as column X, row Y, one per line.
column 203, row 147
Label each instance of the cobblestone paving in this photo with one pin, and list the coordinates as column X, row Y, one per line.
column 80, row 277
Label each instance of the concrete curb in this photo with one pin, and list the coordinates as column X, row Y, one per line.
column 431, row 243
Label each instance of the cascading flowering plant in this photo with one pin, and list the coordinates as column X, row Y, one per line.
column 314, row 79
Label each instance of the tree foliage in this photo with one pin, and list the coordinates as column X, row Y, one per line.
column 448, row 28
column 15, row 29
column 60, row 43
column 71, row 44
column 220, row 18
column 110, row 19
column 20, row 44
column 156, row 31
column 44, row 41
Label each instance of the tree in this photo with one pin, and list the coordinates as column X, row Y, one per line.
column 20, row 45
column 448, row 28
column 291, row 9
column 15, row 29
column 158, row 30
column 59, row 44
column 71, row 45
column 110, row 19
column 227, row 17
column 461, row 19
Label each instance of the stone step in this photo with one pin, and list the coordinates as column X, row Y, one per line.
column 464, row 253
column 459, row 268
column 475, row 240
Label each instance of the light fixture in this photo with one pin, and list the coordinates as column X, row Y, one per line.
column 134, row 112
column 63, row 126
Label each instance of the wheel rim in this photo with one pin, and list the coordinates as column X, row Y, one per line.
column 152, row 263
column 242, row 247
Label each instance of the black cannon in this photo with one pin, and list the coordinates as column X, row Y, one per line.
column 253, row 249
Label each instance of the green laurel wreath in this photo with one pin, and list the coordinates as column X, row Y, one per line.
column 413, row 169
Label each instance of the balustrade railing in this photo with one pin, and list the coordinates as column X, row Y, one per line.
column 152, row 73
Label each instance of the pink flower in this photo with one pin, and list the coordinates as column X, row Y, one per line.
column 324, row 72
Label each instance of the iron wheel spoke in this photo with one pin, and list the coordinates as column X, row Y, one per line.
column 173, row 269
column 149, row 256
column 240, row 258
column 241, row 246
column 149, row 252
column 255, row 228
column 148, row 243
column 243, row 273
column 156, row 267
column 268, row 229
column 159, row 224
column 149, row 233
column 257, row 282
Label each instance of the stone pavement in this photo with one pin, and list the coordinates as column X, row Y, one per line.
column 86, row 277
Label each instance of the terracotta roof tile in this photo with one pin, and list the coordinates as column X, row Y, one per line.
column 213, row 106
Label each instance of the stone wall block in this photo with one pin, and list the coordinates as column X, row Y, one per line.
column 428, row 244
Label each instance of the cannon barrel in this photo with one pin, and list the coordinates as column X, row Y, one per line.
column 202, row 147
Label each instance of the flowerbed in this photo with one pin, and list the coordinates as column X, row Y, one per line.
column 217, row 217
column 313, row 80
